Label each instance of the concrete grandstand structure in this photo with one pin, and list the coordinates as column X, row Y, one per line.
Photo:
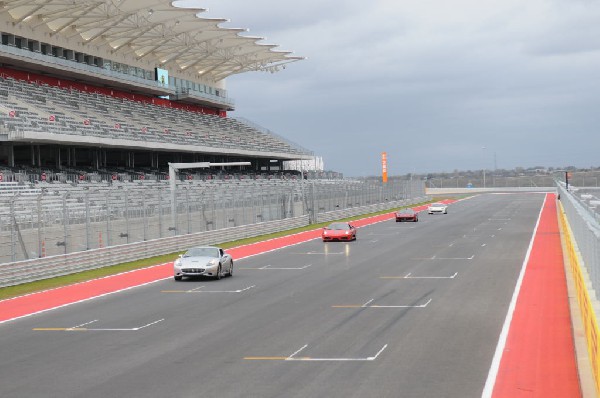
column 127, row 84
column 98, row 97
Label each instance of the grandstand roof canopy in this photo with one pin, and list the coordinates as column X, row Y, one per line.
column 169, row 36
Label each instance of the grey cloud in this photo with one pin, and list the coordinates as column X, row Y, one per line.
column 520, row 78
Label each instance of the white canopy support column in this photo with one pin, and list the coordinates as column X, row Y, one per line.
column 175, row 167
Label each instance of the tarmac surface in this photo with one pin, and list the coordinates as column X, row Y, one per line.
column 407, row 310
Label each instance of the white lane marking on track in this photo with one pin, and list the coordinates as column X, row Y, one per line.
column 446, row 258
column 297, row 351
column 82, row 329
column 83, row 324
column 220, row 291
column 366, row 305
column 401, row 306
column 409, row 276
column 127, row 330
column 308, row 359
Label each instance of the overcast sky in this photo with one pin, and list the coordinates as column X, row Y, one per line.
column 439, row 85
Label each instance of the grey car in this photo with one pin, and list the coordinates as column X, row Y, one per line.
column 203, row 261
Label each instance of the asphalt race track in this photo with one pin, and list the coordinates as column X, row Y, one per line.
column 407, row 310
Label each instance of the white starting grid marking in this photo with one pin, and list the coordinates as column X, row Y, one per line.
column 368, row 305
column 270, row 267
column 294, row 357
column 197, row 290
column 445, row 258
column 80, row 328
column 409, row 276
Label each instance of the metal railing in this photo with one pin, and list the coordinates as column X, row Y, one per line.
column 584, row 220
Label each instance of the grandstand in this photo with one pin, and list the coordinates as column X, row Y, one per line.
column 98, row 97
column 125, row 87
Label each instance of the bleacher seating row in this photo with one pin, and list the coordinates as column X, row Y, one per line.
column 32, row 175
column 29, row 106
column 53, row 202
column 76, row 202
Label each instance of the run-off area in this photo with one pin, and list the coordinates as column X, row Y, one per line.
column 410, row 307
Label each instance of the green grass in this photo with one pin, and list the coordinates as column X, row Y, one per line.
column 37, row 286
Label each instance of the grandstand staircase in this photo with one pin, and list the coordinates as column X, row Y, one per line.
column 67, row 111
column 30, row 107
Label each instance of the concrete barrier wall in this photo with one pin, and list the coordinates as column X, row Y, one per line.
column 588, row 304
column 456, row 191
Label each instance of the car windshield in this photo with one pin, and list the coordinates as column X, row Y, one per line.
column 406, row 211
column 202, row 252
column 438, row 205
column 338, row 226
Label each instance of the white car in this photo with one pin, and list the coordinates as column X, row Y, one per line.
column 437, row 208
column 203, row 261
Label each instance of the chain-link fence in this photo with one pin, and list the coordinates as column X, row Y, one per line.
column 59, row 218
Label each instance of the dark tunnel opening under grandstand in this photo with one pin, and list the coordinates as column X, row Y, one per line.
column 62, row 157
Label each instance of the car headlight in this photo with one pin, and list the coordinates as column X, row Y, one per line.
column 213, row 262
column 177, row 263
column 347, row 232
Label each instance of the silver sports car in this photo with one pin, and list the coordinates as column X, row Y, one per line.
column 203, row 261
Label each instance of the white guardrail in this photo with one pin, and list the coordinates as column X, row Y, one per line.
column 48, row 267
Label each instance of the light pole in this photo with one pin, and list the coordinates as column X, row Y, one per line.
column 483, row 147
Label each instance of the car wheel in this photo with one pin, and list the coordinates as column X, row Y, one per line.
column 177, row 277
column 416, row 219
column 218, row 276
column 230, row 273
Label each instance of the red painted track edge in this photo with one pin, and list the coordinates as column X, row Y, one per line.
column 538, row 358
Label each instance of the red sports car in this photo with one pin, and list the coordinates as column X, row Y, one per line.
column 339, row 231
column 407, row 215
